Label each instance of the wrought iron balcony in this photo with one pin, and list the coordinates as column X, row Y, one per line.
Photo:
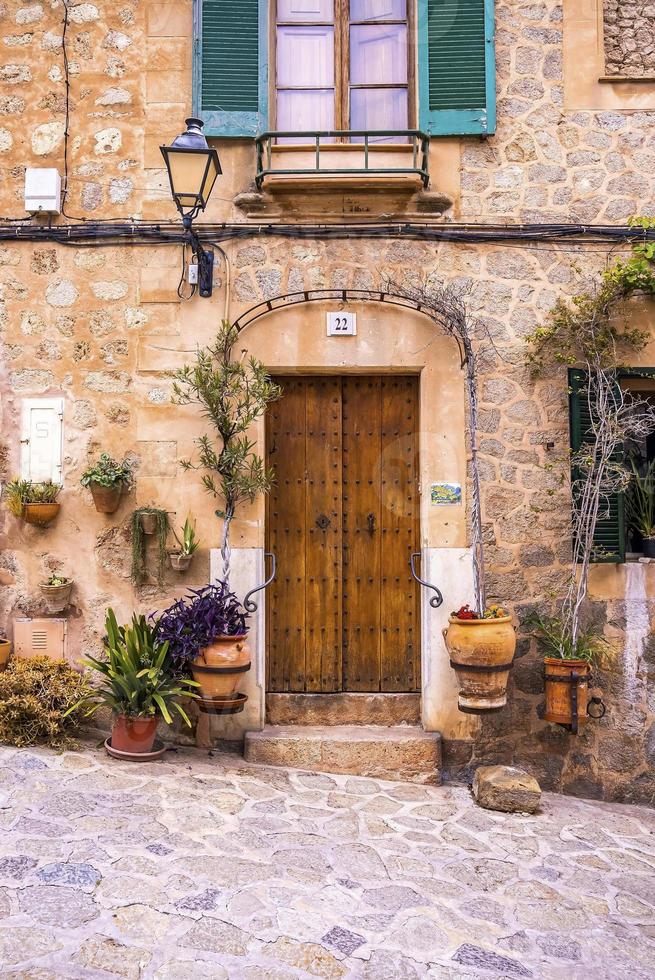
column 333, row 154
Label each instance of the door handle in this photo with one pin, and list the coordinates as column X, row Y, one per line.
column 372, row 526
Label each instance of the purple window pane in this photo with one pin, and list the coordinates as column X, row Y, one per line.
column 379, row 108
column 378, row 54
column 305, row 56
column 378, row 10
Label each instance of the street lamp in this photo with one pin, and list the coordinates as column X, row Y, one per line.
column 192, row 167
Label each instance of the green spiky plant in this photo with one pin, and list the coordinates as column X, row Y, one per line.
column 188, row 543
column 138, row 679
column 232, row 394
column 640, row 500
column 17, row 493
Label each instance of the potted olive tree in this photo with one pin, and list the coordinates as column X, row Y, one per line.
column 233, row 393
column 106, row 480
column 139, row 686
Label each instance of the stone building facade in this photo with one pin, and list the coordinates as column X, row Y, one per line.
column 101, row 327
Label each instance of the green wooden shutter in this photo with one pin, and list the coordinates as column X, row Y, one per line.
column 230, row 76
column 609, row 536
column 457, row 67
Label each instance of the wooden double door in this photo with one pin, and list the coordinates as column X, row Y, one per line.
column 342, row 520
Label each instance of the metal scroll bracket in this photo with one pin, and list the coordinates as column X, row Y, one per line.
column 437, row 599
column 249, row 605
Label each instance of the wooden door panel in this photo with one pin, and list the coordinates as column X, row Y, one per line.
column 343, row 518
column 286, row 441
column 323, row 543
column 400, row 647
column 361, row 521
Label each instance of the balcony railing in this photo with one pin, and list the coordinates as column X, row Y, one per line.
column 320, row 150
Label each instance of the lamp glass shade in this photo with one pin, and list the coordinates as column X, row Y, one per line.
column 193, row 167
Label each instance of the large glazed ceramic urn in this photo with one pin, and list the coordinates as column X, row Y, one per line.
column 219, row 667
column 481, row 654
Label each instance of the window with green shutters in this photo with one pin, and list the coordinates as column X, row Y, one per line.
column 456, row 67
column 610, row 534
column 455, row 64
column 230, row 78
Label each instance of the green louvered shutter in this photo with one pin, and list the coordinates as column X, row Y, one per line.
column 457, row 67
column 609, row 536
column 231, row 66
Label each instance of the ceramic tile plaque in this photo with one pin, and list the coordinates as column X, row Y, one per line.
column 445, row 494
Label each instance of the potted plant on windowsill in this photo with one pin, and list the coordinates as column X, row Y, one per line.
column 138, row 684
column 106, row 480
column 640, row 505
column 181, row 559
column 207, row 635
column 56, row 591
column 34, row 503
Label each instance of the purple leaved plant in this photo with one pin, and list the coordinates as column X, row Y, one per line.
column 200, row 618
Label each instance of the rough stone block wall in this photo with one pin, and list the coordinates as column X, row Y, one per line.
column 629, row 30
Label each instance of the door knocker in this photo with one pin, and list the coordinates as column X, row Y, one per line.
column 322, row 521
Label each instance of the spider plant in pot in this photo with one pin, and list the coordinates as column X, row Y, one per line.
column 181, row 558
column 138, row 684
column 640, row 505
column 56, row 591
column 34, row 503
column 206, row 633
column 106, row 480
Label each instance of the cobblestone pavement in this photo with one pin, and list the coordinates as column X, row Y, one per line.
column 201, row 868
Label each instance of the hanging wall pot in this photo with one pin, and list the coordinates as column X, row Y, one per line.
column 481, row 654
column 567, row 692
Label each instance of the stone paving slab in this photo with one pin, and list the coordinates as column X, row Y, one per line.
column 209, row 867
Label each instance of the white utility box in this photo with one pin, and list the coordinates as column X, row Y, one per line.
column 42, row 190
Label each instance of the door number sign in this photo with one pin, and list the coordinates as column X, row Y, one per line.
column 341, row 324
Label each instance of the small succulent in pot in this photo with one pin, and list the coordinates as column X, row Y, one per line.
column 57, row 592
column 34, row 503
column 181, row 558
column 106, row 480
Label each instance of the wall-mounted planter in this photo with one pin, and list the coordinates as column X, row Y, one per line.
column 57, row 597
column 5, row 650
column 219, row 668
column 106, row 499
column 567, row 692
column 40, row 514
column 180, row 562
column 481, row 654
column 149, row 523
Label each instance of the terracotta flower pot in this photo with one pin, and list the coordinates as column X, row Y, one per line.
column 219, row 667
column 149, row 523
column 560, row 681
column 5, row 650
column 481, row 653
column 133, row 734
column 40, row 514
column 57, row 597
column 106, row 499
column 179, row 562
